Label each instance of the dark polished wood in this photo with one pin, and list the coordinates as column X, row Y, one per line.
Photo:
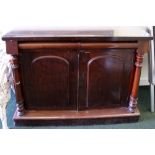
column 17, row 85
column 70, row 35
column 12, row 47
column 142, row 48
column 49, row 78
column 105, row 77
column 70, row 117
column 75, row 76
column 40, row 45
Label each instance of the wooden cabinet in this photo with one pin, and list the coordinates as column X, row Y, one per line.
column 49, row 78
column 75, row 78
column 106, row 77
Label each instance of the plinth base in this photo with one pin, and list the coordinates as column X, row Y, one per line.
column 69, row 117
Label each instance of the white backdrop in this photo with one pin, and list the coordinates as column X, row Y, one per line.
column 73, row 13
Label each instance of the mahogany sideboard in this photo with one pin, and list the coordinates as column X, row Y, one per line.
column 75, row 77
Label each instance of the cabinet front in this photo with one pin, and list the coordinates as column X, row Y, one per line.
column 106, row 77
column 49, row 78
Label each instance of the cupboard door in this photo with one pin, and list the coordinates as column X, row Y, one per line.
column 106, row 77
column 49, row 78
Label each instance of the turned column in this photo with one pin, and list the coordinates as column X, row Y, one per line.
column 17, row 85
column 142, row 47
column 12, row 49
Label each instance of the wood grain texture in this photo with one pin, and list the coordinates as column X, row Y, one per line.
column 63, row 35
column 69, row 117
column 12, row 47
column 44, row 45
column 143, row 47
column 17, row 85
column 134, row 92
column 52, row 75
column 73, row 114
column 105, row 75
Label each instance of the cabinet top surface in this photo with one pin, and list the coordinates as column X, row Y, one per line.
column 77, row 35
